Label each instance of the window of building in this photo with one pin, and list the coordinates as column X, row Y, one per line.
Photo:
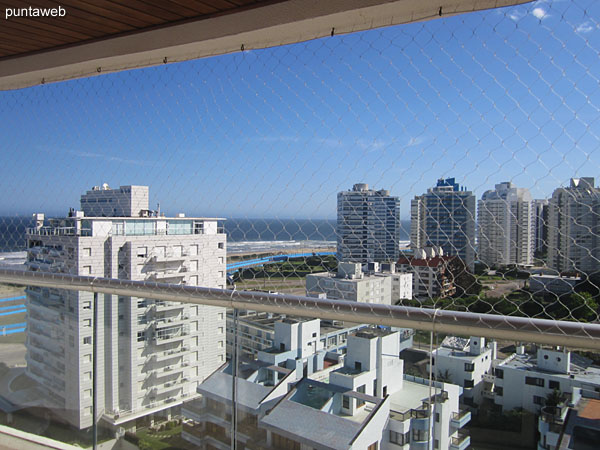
column 345, row 402
column 469, row 367
column 87, row 340
column 499, row 391
column 87, row 322
column 87, row 393
column 554, row 384
column 87, row 251
column 437, row 417
column 87, row 376
column 399, row 438
column 87, row 305
column 469, row 383
column 537, row 400
column 141, row 336
column 221, row 245
column 87, row 270
column 87, row 358
column 419, row 435
column 373, row 446
column 362, row 390
column 499, row 373
column 87, row 411
column 436, row 443
column 533, row 381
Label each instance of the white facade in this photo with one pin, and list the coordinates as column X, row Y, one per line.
column 352, row 284
column 465, row 362
column 368, row 403
column 506, row 226
column 524, row 381
column 150, row 354
column 126, row 201
column 368, row 225
column 574, row 227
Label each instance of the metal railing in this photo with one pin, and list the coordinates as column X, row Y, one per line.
column 551, row 332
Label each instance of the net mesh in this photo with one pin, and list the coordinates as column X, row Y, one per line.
column 460, row 151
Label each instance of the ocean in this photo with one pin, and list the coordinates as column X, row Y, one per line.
column 243, row 235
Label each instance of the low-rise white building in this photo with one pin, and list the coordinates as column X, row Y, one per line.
column 352, row 283
column 465, row 362
column 525, row 380
column 363, row 402
column 552, row 284
column 256, row 332
column 260, row 384
column 368, row 404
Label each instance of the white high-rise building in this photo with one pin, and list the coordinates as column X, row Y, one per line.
column 445, row 217
column 506, row 226
column 150, row 354
column 574, row 227
column 368, row 225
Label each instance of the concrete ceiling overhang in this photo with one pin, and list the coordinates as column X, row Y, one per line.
column 127, row 34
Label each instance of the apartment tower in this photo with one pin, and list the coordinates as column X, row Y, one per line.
column 150, row 354
column 506, row 226
column 368, row 225
column 445, row 217
column 573, row 227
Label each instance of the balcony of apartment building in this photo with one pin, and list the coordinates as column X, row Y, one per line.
column 164, row 306
column 169, row 334
column 460, row 442
column 460, row 419
column 161, row 356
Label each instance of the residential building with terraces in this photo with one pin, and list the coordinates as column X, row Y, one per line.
column 151, row 354
column 363, row 401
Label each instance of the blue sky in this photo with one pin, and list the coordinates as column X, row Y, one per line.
column 511, row 94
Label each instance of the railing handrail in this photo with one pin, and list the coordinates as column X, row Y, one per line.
column 543, row 331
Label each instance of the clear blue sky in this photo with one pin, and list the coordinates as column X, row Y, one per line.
column 511, row 94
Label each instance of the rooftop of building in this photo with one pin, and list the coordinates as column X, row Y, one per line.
column 266, row 321
column 372, row 333
column 364, row 276
column 582, row 428
column 580, row 369
column 251, row 389
column 411, row 396
column 461, row 354
column 304, row 412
